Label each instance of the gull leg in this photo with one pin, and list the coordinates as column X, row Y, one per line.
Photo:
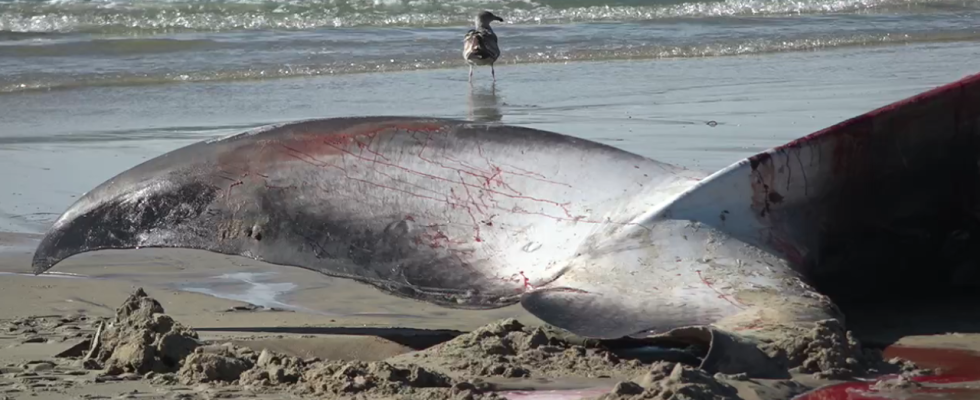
column 471, row 73
column 493, row 73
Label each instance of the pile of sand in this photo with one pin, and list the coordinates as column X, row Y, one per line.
column 269, row 371
column 828, row 351
column 142, row 339
column 667, row 380
column 507, row 348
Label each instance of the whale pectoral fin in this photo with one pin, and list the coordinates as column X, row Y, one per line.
column 607, row 314
column 583, row 313
column 596, row 316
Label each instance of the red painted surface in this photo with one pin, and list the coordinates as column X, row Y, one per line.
column 954, row 365
column 967, row 87
column 845, row 158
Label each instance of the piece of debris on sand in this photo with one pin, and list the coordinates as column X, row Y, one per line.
column 667, row 380
column 142, row 339
column 507, row 348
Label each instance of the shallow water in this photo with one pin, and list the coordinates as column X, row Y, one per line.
column 60, row 44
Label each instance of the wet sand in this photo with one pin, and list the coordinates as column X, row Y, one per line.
column 198, row 287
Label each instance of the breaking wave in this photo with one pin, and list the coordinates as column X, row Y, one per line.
column 155, row 16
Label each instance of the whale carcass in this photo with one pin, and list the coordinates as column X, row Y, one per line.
column 589, row 238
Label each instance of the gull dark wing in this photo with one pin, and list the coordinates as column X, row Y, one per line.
column 481, row 45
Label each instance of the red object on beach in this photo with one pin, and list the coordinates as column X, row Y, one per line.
column 958, row 369
column 959, row 378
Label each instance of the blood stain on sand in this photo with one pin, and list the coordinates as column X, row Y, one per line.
column 954, row 365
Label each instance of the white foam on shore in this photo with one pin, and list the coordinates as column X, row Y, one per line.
column 257, row 292
column 48, row 275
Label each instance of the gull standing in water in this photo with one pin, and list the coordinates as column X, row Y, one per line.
column 480, row 44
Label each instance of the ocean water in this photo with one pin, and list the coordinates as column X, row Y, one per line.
column 59, row 44
column 89, row 88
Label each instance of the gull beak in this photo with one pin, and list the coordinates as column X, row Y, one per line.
column 498, row 18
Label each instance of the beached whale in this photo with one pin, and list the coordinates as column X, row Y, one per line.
column 593, row 239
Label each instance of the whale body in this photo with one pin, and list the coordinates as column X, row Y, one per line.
column 587, row 237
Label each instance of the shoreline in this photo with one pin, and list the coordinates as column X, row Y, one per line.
column 285, row 78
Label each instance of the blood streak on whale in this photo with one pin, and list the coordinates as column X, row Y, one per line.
column 466, row 186
column 720, row 294
column 307, row 146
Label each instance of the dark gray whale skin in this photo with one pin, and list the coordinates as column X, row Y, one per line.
column 590, row 238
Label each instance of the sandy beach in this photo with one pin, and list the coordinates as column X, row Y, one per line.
column 339, row 345
column 207, row 326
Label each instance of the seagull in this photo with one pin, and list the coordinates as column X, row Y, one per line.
column 480, row 44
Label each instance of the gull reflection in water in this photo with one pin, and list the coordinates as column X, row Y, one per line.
column 484, row 104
